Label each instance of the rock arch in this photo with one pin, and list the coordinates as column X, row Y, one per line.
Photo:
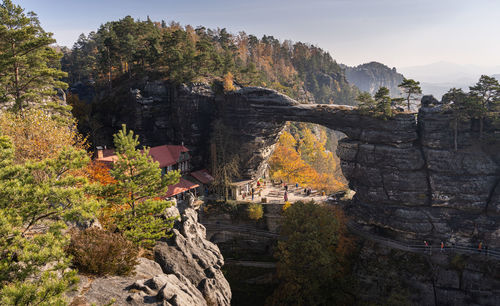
column 407, row 177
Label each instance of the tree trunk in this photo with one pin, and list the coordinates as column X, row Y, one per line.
column 16, row 78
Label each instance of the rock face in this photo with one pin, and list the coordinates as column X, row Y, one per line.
column 371, row 76
column 188, row 253
column 408, row 178
column 186, row 271
column 415, row 279
column 424, row 188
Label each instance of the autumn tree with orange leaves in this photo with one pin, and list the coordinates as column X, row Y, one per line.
column 37, row 135
column 305, row 162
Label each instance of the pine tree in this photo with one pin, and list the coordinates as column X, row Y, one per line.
column 384, row 103
column 487, row 94
column 411, row 88
column 28, row 65
column 36, row 199
column 462, row 107
column 138, row 190
column 366, row 104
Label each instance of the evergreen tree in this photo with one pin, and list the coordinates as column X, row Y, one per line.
column 28, row 65
column 366, row 103
column 36, row 198
column 383, row 103
column 487, row 93
column 411, row 88
column 457, row 100
column 138, row 190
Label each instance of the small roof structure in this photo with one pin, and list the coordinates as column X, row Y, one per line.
column 203, row 176
column 183, row 186
column 165, row 155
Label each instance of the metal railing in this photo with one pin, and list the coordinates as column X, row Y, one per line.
column 416, row 247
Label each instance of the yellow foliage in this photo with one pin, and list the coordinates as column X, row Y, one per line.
column 228, row 82
column 287, row 205
column 36, row 135
column 311, row 166
column 255, row 211
column 287, row 165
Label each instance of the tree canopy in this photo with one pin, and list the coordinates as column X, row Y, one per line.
column 306, row 161
column 128, row 48
column 36, row 199
column 29, row 66
column 411, row 89
column 137, row 191
column 312, row 255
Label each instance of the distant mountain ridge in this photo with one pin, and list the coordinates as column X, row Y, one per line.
column 371, row 76
column 437, row 78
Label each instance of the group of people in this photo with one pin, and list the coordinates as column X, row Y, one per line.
column 480, row 247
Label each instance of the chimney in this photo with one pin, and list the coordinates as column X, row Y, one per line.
column 100, row 153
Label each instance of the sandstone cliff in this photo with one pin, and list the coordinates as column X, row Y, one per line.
column 408, row 178
column 371, row 76
column 186, row 271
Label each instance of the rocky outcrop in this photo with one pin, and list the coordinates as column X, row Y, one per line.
column 371, row 76
column 186, row 271
column 190, row 254
column 408, row 178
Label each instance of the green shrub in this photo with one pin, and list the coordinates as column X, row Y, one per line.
column 100, row 252
column 255, row 211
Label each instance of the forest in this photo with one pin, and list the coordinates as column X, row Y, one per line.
column 129, row 48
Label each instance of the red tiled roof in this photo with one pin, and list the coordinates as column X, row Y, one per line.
column 165, row 155
column 182, row 186
column 202, row 176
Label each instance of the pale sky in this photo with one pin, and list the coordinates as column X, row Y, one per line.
column 397, row 33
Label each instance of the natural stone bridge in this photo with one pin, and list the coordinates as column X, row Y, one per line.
column 408, row 178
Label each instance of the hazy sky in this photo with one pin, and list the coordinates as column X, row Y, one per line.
column 395, row 32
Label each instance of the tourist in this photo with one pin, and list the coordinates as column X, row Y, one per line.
column 480, row 246
column 286, row 196
column 286, row 187
column 258, row 184
column 442, row 246
column 253, row 191
column 296, row 185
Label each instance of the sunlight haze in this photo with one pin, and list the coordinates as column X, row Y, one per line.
column 397, row 33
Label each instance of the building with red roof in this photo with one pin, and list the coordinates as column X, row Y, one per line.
column 169, row 157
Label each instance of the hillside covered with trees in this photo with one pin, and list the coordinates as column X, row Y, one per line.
column 129, row 49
